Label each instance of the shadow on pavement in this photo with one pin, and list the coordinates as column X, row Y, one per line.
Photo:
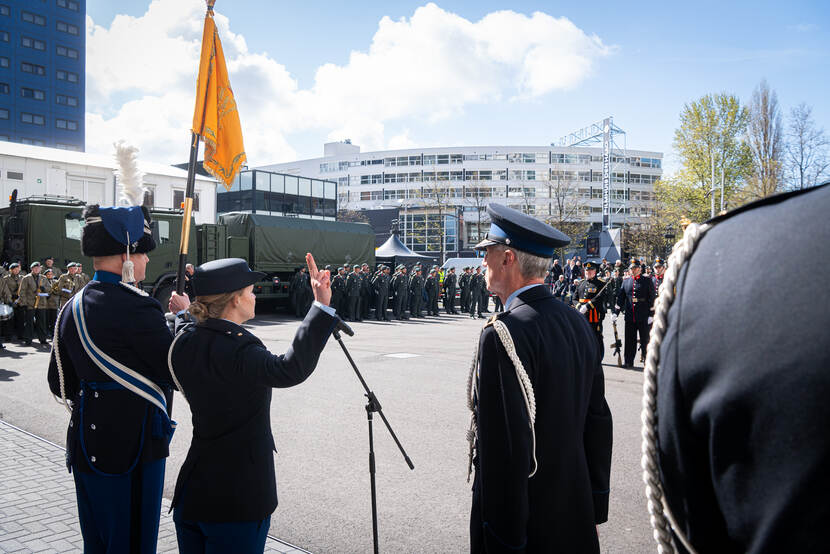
column 6, row 375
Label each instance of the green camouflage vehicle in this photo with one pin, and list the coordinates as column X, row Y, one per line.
column 36, row 227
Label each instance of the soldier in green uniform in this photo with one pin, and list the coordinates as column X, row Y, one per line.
column 338, row 290
column 431, row 288
column 51, row 301
column 399, row 290
column 476, row 285
column 450, row 282
column 464, row 283
column 65, row 287
column 353, row 294
column 33, row 292
column 591, row 295
column 12, row 280
column 381, row 287
column 416, row 293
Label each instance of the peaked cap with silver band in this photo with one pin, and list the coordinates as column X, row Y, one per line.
column 514, row 229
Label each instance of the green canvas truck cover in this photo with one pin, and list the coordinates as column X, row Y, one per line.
column 280, row 243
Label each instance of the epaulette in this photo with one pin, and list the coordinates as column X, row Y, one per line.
column 133, row 289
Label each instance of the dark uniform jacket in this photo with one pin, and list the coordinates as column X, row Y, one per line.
column 742, row 397
column 353, row 285
column 227, row 375
column 111, row 428
column 636, row 298
column 557, row 508
column 588, row 292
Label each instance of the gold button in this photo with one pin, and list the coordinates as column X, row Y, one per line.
column 239, row 334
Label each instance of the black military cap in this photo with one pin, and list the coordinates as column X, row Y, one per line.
column 591, row 264
column 634, row 263
column 658, row 262
column 109, row 231
column 339, row 269
column 227, row 275
column 522, row 232
column 327, row 267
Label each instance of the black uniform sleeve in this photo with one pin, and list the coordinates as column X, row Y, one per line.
column 256, row 364
column 70, row 377
column 504, row 449
column 598, row 438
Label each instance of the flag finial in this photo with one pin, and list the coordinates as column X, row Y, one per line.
column 210, row 4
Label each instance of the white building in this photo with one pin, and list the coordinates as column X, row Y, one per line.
column 39, row 171
column 552, row 183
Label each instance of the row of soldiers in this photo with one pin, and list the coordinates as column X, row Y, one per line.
column 36, row 297
column 409, row 292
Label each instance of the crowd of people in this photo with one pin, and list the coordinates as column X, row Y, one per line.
column 35, row 298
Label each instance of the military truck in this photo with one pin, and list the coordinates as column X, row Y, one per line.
column 36, row 227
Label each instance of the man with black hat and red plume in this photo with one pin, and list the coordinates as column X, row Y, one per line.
column 109, row 367
column 636, row 299
column 541, row 431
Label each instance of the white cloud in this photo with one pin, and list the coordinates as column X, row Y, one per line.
column 429, row 66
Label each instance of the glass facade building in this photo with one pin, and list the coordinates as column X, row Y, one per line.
column 42, row 72
column 267, row 192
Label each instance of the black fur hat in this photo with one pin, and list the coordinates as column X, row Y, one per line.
column 106, row 231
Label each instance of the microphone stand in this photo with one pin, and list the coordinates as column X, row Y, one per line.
column 372, row 406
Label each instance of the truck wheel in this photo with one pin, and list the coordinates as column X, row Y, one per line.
column 163, row 294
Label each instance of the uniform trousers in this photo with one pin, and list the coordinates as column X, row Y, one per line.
column 475, row 303
column 243, row 537
column 381, row 306
column 120, row 514
column 34, row 322
column 632, row 329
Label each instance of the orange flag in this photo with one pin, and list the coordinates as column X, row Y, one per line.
column 215, row 118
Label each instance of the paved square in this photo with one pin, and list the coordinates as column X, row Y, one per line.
column 321, row 433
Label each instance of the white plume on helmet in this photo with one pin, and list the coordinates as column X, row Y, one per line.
column 132, row 189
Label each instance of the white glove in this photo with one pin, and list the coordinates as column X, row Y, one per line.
column 616, row 307
column 614, row 318
column 650, row 320
column 583, row 308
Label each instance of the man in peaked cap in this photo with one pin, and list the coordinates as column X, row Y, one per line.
column 33, row 295
column 109, row 366
column 636, row 300
column 539, row 485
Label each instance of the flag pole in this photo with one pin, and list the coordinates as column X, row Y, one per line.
column 188, row 210
column 190, row 186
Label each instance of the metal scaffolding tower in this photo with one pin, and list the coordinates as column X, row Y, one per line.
column 606, row 132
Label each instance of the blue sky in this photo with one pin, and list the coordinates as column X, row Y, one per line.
column 658, row 57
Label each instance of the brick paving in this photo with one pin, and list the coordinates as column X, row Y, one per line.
column 37, row 500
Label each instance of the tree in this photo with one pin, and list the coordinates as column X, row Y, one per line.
column 437, row 195
column 710, row 140
column 354, row 216
column 477, row 196
column 564, row 210
column 765, row 141
column 807, row 160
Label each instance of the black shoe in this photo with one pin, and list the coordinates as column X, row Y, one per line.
column 27, row 343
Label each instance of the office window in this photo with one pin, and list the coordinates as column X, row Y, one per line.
column 65, row 100
column 4, row 62
column 34, row 18
column 67, row 52
column 178, row 199
column 14, row 175
column 32, row 93
column 4, row 113
column 67, row 124
column 62, row 146
column 4, row 10
column 4, row 88
column 4, row 138
column 33, row 68
column 69, row 5
column 28, row 42
column 62, row 75
column 32, row 142
column 68, row 28
column 32, row 118
column 4, row 36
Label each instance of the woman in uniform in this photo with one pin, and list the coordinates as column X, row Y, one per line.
column 226, row 489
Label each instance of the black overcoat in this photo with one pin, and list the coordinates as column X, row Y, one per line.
column 227, row 375
column 555, row 510
column 743, row 411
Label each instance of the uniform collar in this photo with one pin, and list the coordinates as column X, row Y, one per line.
column 222, row 325
column 517, row 292
column 106, row 277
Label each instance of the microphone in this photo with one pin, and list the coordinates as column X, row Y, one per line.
column 340, row 325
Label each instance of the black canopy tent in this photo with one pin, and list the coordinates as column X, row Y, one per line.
column 394, row 252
